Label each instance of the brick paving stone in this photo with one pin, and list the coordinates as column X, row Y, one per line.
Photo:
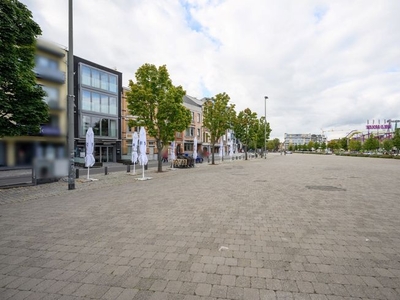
column 127, row 294
column 235, row 293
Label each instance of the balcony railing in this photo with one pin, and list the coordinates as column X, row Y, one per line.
column 49, row 74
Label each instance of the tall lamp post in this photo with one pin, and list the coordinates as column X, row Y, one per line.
column 70, row 134
column 265, row 127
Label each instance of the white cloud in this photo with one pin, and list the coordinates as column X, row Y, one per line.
column 323, row 64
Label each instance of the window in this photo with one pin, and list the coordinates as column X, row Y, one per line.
column 113, row 84
column 95, row 102
column 104, row 127
column 191, row 131
column 52, row 97
column 96, row 125
column 104, row 104
column 192, row 117
column 178, row 134
column 128, row 129
column 85, row 124
column 95, row 78
column 85, row 75
column 46, row 62
column 198, row 118
column 198, row 132
column 86, row 102
column 104, row 81
column 113, row 106
column 113, row 128
column 188, row 147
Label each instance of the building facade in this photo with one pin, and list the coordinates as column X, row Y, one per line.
column 50, row 143
column 98, row 93
column 300, row 139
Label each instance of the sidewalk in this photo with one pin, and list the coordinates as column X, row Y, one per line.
column 288, row 227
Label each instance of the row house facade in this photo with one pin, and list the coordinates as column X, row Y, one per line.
column 50, row 143
column 100, row 102
column 98, row 97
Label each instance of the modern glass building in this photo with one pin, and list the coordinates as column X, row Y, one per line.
column 98, row 93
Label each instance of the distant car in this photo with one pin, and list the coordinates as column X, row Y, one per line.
column 288, row 152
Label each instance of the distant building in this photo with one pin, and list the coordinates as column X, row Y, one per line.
column 98, row 92
column 302, row 138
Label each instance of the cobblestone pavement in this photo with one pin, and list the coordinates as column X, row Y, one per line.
column 289, row 227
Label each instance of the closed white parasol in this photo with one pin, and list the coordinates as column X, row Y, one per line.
column 142, row 151
column 89, row 158
column 135, row 139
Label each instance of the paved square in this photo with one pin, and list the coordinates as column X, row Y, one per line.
column 289, row 227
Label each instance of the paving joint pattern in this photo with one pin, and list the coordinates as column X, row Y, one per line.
column 238, row 230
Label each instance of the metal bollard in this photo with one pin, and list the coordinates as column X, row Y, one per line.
column 105, row 170
column 76, row 173
column 128, row 168
column 145, row 166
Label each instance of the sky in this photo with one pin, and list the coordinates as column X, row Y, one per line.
column 325, row 66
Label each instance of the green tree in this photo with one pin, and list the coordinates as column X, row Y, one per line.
column 317, row 146
column 244, row 125
column 371, row 143
column 261, row 130
column 396, row 140
column 22, row 108
column 355, row 145
column 323, row 146
column 310, row 145
column 291, row 147
column 388, row 145
column 333, row 145
column 270, row 145
column 343, row 143
column 157, row 105
column 218, row 117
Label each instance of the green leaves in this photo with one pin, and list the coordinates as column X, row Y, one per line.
column 218, row 117
column 22, row 109
column 157, row 105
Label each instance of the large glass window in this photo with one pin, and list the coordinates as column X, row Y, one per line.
column 85, row 75
column 104, row 104
column 85, row 124
column 104, row 127
column 95, row 102
column 96, row 125
column 113, row 83
column 95, row 78
column 113, row 105
column 86, row 103
column 104, row 81
column 113, row 128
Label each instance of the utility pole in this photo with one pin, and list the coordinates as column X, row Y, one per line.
column 71, row 100
column 265, row 127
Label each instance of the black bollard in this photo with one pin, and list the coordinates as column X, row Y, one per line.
column 105, row 170
column 76, row 173
column 145, row 166
column 128, row 168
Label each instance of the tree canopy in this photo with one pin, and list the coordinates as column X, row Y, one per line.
column 396, row 140
column 372, row 143
column 22, row 108
column 157, row 105
column 218, row 117
column 245, row 127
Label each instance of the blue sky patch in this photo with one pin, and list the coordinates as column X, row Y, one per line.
column 320, row 12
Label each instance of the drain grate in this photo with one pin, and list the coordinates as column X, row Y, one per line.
column 326, row 188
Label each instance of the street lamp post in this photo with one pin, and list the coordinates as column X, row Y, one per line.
column 265, row 128
column 70, row 105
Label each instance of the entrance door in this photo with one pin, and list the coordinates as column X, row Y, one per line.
column 107, row 153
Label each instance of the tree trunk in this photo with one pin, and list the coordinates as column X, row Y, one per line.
column 245, row 152
column 212, row 154
column 159, row 155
